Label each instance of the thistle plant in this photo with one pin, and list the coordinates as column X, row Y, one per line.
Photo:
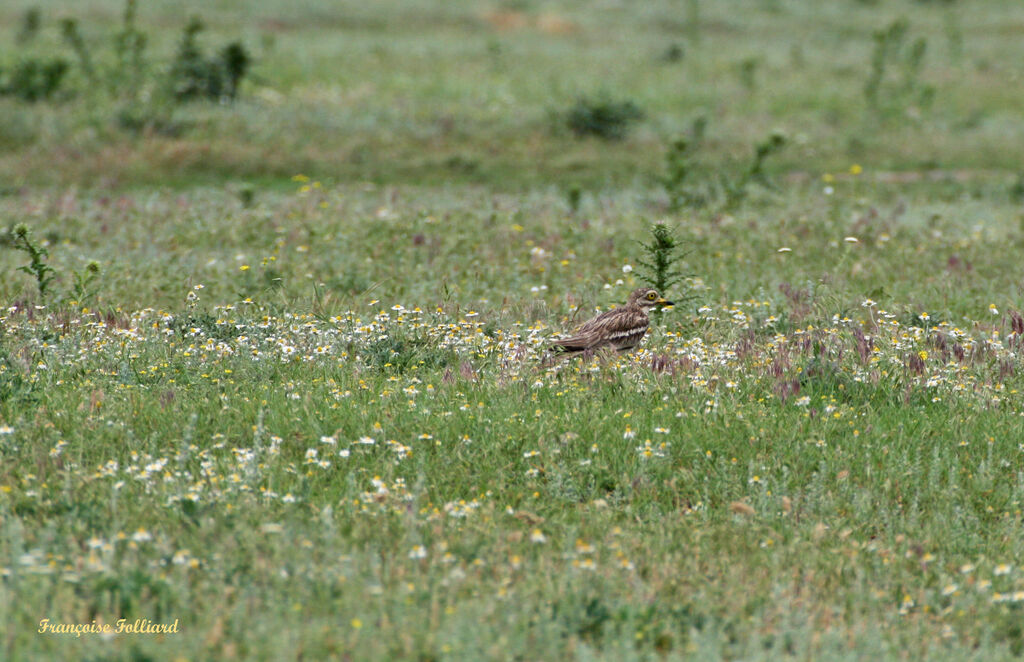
column 767, row 147
column 889, row 50
column 130, row 46
column 84, row 286
column 677, row 169
column 37, row 266
column 662, row 259
column 84, row 282
column 724, row 188
column 736, row 190
column 679, row 165
column 73, row 38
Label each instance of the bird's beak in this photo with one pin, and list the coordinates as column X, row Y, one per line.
column 664, row 302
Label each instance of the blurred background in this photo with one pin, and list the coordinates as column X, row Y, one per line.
column 108, row 93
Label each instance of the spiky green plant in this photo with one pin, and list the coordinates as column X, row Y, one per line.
column 84, row 286
column 736, row 190
column 662, row 259
column 890, row 50
column 677, row 170
column 37, row 266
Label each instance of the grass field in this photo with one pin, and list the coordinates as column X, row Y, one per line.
column 275, row 370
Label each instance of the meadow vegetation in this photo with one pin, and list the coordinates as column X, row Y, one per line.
column 272, row 345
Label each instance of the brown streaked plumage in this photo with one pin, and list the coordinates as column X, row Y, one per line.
column 620, row 328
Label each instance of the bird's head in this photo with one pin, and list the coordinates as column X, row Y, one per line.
column 646, row 297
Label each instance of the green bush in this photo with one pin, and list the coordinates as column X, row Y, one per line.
column 603, row 117
column 195, row 76
column 31, row 21
column 34, row 79
column 125, row 74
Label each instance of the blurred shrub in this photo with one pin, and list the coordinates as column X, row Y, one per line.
column 33, row 79
column 894, row 93
column 31, row 20
column 690, row 183
column 122, row 72
column 195, row 76
column 603, row 117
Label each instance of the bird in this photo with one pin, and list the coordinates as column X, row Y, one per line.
column 619, row 328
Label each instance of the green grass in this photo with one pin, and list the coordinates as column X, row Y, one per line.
column 413, row 92
column 869, row 481
column 312, row 417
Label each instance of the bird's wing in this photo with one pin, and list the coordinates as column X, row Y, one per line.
column 618, row 327
column 626, row 329
column 597, row 323
column 587, row 336
column 577, row 343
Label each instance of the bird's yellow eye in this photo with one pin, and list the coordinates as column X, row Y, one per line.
column 652, row 295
